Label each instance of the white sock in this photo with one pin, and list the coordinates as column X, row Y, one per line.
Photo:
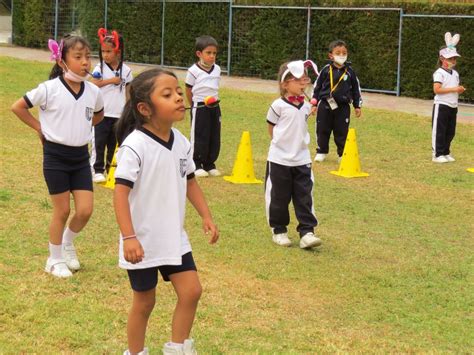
column 55, row 251
column 68, row 236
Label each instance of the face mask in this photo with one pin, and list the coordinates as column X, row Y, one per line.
column 340, row 59
column 450, row 65
column 73, row 76
column 201, row 62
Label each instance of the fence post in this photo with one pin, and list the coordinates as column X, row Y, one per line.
column 56, row 13
column 106, row 5
column 308, row 27
column 399, row 59
column 162, row 59
column 229, row 39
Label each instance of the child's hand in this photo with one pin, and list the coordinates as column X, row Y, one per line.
column 115, row 80
column 313, row 110
column 41, row 136
column 460, row 89
column 133, row 251
column 358, row 112
column 210, row 228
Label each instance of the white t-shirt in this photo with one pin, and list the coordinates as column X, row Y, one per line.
column 447, row 79
column 66, row 117
column 114, row 95
column 289, row 145
column 157, row 171
column 204, row 83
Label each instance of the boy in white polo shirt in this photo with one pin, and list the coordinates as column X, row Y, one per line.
column 289, row 176
column 202, row 80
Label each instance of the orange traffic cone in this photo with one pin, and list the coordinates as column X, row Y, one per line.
column 350, row 164
column 243, row 172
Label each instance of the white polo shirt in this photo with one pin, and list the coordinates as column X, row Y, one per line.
column 66, row 117
column 447, row 79
column 157, row 171
column 114, row 95
column 289, row 145
column 203, row 83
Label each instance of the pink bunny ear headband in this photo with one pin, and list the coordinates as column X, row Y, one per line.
column 450, row 50
column 56, row 49
column 297, row 68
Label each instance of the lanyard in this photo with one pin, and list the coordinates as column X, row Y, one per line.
column 333, row 87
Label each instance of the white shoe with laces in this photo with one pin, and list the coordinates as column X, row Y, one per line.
column 201, row 173
column 99, row 177
column 449, row 158
column 214, row 172
column 309, row 240
column 320, row 157
column 189, row 348
column 281, row 239
column 58, row 268
column 70, row 255
column 440, row 160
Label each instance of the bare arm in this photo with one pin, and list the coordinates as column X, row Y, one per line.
column 270, row 130
column 437, row 89
column 103, row 82
column 189, row 95
column 133, row 251
column 99, row 116
column 21, row 110
column 196, row 197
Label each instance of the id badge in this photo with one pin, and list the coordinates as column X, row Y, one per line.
column 332, row 103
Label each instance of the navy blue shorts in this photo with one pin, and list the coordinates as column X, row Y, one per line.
column 66, row 168
column 147, row 279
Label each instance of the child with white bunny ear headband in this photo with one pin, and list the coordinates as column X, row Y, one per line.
column 447, row 89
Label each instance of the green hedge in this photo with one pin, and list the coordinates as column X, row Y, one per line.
column 264, row 38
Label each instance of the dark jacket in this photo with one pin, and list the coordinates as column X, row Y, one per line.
column 348, row 90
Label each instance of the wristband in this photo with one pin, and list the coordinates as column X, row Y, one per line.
column 129, row 237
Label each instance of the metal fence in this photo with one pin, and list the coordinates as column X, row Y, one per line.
column 237, row 46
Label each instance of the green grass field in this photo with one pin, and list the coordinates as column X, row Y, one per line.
column 395, row 272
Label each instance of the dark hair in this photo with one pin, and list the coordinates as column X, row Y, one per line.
column 110, row 39
column 70, row 41
column 205, row 41
column 440, row 63
column 141, row 88
column 288, row 76
column 336, row 43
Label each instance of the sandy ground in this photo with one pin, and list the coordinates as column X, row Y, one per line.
column 371, row 100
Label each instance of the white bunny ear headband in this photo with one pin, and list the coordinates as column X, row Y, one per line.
column 450, row 50
column 297, row 68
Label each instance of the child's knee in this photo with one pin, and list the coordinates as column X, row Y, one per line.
column 84, row 213
column 144, row 306
column 63, row 213
column 193, row 293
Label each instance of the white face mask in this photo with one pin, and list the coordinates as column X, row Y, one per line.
column 340, row 59
column 73, row 76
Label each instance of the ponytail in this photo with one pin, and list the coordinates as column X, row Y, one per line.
column 55, row 71
column 130, row 120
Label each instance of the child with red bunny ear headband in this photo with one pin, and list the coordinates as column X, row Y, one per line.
column 447, row 89
column 111, row 75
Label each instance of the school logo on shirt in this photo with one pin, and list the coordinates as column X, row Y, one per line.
column 89, row 113
column 182, row 166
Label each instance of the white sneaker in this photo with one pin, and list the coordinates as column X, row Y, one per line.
column 441, row 159
column 143, row 352
column 339, row 159
column 201, row 173
column 189, row 348
column 98, row 178
column 449, row 158
column 214, row 172
column 57, row 268
column 309, row 240
column 69, row 254
column 320, row 157
column 281, row 239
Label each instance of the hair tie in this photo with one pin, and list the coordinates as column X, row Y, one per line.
column 56, row 49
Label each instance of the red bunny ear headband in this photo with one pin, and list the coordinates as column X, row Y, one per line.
column 103, row 34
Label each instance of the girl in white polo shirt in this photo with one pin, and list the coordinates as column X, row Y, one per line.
column 68, row 108
column 289, row 176
column 154, row 175
column 447, row 89
column 112, row 76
